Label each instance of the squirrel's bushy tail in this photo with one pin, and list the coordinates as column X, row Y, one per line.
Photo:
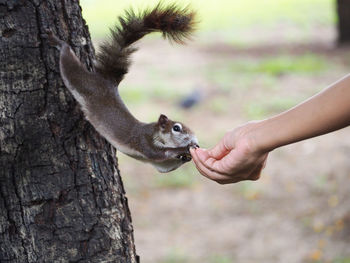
column 175, row 23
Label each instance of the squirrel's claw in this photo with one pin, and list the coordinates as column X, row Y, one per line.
column 193, row 146
column 53, row 40
column 185, row 157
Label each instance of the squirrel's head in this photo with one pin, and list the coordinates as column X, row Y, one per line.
column 174, row 134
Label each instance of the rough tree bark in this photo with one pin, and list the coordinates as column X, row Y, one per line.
column 61, row 195
column 343, row 8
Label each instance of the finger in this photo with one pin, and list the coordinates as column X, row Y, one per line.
column 229, row 181
column 192, row 151
column 201, row 172
column 224, row 180
column 194, row 154
column 224, row 166
column 203, row 156
column 197, row 162
column 212, row 175
column 218, row 151
column 255, row 174
column 207, row 161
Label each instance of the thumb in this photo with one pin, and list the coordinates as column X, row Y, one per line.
column 202, row 154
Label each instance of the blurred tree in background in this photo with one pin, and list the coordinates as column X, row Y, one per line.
column 343, row 21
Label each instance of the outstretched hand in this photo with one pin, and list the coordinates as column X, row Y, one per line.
column 242, row 153
column 235, row 158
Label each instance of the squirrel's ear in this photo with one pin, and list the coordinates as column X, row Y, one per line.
column 162, row 121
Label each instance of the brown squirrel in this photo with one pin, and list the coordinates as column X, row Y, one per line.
column 165, row 144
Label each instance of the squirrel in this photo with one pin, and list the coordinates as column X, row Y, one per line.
column 165, row 143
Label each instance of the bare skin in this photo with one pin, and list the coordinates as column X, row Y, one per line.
column 242, row 153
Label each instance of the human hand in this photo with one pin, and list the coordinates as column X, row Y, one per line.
column 235, row 158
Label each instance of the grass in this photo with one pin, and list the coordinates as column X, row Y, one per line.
column 263, row 108
column 249, row 190
column 242, row 74
column 136, row 94
column 227, row 76
column 282, row 64
column 175, row 256
column 219, row 105
column 220, row 14
column 342, row 260
column 183, row 177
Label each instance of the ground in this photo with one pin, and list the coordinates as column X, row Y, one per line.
column 299, row 210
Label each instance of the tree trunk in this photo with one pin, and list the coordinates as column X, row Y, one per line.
column 61, row 195
column 343, row 7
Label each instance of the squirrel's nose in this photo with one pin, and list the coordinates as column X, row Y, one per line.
column 194, row 142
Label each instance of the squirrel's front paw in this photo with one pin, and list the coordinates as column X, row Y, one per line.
column 186, row 157
column 193, row 146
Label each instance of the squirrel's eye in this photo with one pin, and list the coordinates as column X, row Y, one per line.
column 177, row 128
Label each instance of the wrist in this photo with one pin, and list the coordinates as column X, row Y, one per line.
column 251, row 137
column 261, row 136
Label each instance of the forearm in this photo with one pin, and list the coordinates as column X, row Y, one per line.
column 325, row 112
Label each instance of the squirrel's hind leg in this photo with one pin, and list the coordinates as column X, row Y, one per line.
column 80, row 82
column 54, row 40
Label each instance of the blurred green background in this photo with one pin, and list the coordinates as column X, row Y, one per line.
column 221, row 15
column 249, row 59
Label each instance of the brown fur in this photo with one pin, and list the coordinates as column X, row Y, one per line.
column 174, row 22
column 99, row 98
